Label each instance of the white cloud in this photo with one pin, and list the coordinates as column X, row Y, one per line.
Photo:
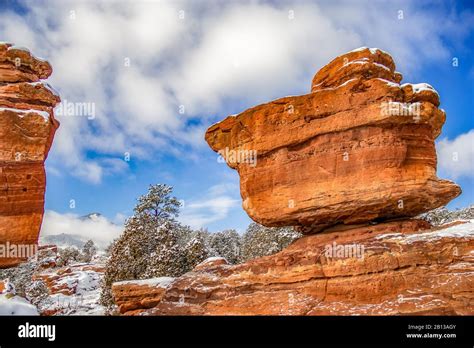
column 456, row 157
column 218, row 56
column 215, row 206
column 250, row 52
column 97, row 228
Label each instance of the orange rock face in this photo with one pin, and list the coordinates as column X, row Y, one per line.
column 133, row 297
column 27, row 127
column 393, row 268
column 358, row 148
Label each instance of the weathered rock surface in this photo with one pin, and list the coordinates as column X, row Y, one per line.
column 27, row 127
column 132, row 297
column 393, row 268
column 73, row 289
column 358, row 148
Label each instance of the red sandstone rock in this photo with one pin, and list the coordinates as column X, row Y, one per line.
column 210, row 263
column 27, row 127
column 64, row 280
column 359, row 148
column 393, row 268
column 72, row 289
column 133, row 297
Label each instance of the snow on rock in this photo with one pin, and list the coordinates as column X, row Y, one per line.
column 390, row 83
column 372, row 50
column 136, row 295
column 461, row 230
column 420, row 87
column 359, row 61
column 362, row 61
column 16, row 305
column 20, row 48
column 210, row 263
column 365, row 61
column 74, row 290
column 381, row 66
column 47, row 86
column 214, row 258
column 22, row 112
column 395, row 276
column 161, row 282
column 24, row 49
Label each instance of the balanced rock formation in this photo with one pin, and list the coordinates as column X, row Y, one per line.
column 358, row 148
column 27, row 127
column 393, row 268
column 354, row 157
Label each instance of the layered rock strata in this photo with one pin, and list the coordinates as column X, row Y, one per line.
column 27, row 127
column 394, row 268
column 358, row 148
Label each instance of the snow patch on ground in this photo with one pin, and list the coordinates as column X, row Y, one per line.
column 85, row 286
column 16, row 305
column 214, row 258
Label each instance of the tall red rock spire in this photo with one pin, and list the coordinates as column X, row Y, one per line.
column 27, row 127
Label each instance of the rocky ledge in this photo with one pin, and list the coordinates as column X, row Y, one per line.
column 394, row 268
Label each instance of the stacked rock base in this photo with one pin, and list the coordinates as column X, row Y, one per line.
column 395, row 268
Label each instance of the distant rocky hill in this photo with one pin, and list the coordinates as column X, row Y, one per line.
column 64, row 240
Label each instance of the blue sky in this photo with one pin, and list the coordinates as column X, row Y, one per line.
column 190, row 64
